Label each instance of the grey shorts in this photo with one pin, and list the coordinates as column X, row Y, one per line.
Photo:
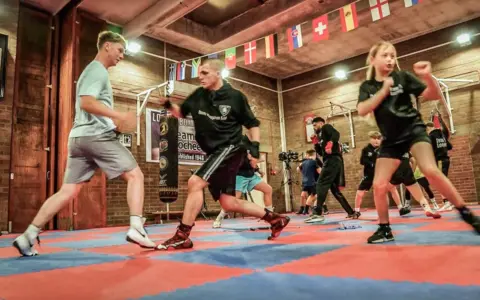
column 104, row 151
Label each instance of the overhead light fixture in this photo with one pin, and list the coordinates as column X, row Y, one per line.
column 133, row 47
column 464, row 39
column 225, row 73
column 341, row 74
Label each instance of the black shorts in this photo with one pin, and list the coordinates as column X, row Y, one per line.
column 366, row 183
column 397, row 148
column 220, row 170
column 310, row 189
column 444, row 165
column 403, row 174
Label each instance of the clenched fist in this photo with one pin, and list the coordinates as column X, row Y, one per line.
column 422, row 68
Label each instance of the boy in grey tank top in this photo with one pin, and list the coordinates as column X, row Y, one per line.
column 93, row 144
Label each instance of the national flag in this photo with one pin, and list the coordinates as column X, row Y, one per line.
column 320, row 28
column 231, row 58
column 181, row 70
column 271, row 45
column 379, row 9
column 195, row 65
column 214, row 55
column 172, row 75
column 250, row 52
column 348, row 16
column 294, row 35
column 409, row 3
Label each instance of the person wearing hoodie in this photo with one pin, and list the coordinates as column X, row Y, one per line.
column 219, row 112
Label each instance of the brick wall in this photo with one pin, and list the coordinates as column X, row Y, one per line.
column 450, row 61
column 8, row 26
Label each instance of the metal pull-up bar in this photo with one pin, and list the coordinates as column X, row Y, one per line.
column 146, row 95
column 344, row 111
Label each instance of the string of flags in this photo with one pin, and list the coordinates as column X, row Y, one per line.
column 379, row 9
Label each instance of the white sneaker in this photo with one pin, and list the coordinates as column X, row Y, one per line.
column 435, row 206
column 24, row 246
column 140, row 238
column 217, row 223
column 446, row 207
column 315, row 219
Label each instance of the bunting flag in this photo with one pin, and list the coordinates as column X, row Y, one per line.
column 320, row 28
column 181, row 70
column 214, row 55
column 172, row 76
column 271, row 46
column 250, row 52
column 195, row 65
column 348, row 16
column 379, row 9
column 294, row 35
column 231, row 58
column 409, row 3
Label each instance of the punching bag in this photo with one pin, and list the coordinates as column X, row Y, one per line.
column 168, row 159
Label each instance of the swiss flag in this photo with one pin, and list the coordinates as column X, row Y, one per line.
column 320, row 28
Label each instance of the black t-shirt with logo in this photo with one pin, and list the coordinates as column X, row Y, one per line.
column 395, row 116
column 368, row 160
column 440, row 144
column 218, row 116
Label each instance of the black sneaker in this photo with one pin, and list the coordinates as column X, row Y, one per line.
column 382, row 235
column 468, row 216
column 405, row 211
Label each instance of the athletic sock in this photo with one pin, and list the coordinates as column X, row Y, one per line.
column 407, row 203
column 357, row 209
column 221, row 215
column 400, row 206
column 426, row 207
column 32, row 232
column 269, row 207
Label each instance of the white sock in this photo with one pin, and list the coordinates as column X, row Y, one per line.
column 32, row 232
column 136, row 222
column 221, row 215
column 425, row 205
column 433, row 200
column 269, row 207
column 399, row 206
column 407, row 203
column 357, row 209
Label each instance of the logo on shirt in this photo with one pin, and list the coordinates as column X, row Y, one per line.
column 216, row 118
column 224, row 109
column 396, row 90
column 370, row 154
column 163, row 163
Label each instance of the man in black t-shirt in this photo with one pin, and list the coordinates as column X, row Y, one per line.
column 387, row 94
column 441, row 146
column 332, row 175
column 219, row 111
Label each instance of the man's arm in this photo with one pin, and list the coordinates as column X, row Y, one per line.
column 248, row 119
column 174, row 109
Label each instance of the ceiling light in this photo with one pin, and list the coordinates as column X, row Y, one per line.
column 464, row 39
column 341, row 74
column 133, row 47
column 225, row 73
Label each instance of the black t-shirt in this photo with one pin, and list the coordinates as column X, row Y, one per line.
column 368, row 159
column 395, row 116
column 440, row 144
column 328, row 134
column 218, row 116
